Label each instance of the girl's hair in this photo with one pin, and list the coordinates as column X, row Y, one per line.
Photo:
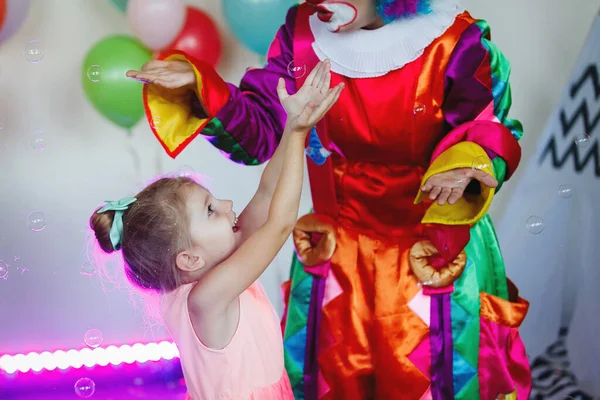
column 155, row 230
column 391, row 10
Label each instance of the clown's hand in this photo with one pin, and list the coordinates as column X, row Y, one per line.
column 449, row 186
column 168, row 74
column 315, row 89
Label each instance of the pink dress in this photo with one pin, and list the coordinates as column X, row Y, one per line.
column 250, row 367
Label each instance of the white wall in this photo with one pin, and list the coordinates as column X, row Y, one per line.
column 89, row 160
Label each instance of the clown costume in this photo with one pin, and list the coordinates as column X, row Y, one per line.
column 392, row 295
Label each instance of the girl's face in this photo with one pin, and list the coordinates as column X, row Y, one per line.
column 213, row 229
column 347, row 15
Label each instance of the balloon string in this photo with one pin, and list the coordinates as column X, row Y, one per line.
column 158, row 161
column 137, row 164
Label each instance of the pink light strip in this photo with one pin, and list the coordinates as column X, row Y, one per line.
column 89, row 357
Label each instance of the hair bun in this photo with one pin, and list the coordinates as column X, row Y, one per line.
column 101, row 224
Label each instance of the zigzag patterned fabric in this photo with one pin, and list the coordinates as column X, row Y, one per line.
column 552, row 379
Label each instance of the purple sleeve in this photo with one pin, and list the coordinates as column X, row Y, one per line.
column 250, row 124
column 478, row 93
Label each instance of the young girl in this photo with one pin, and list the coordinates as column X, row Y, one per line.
column 177, row 239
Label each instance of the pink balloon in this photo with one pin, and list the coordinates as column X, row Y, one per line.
column 156, row 22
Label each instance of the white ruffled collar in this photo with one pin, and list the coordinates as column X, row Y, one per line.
column 371, row 53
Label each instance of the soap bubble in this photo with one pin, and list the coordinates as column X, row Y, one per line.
column 85, row 387
column 186, row 172
column 535, row 224
column 38, row 142
column 583, row 140
column 36, row 221
column 94, row 73
column 87, row 269
column 296, row 71
column 34, row 51
column 93, row 338
column 431, row 282
column 481, row 163
column 565, row 191
column 4, row 270
column 419, row 109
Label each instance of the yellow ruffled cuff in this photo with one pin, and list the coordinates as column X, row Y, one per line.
column 471, row 207
column 170, row 113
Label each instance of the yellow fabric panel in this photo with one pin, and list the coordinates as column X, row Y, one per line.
column 170, row 114
column 471, row 207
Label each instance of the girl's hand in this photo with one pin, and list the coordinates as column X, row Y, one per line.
column 310, row 104
column 315, row 89
column 450, row 185
column 168, row 74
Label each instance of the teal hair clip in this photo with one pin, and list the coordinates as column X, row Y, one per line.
column 119, row 207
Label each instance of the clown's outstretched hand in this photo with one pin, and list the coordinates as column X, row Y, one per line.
column 168, row 74
column 449, row 186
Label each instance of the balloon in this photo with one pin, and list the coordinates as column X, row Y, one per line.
column 199, row 37
column 255, row 22
column 120, row 4
column 2, row 12
column 114, row 95
column 156, row 22
column 16, row 12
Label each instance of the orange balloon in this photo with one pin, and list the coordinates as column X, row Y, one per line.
column 2, row 12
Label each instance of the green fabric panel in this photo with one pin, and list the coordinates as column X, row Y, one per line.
column 466, row 340
column 299, row 301
column 294, row 371
column 499, row 166
column 484, row 273
column 483, row 249
column 298, row 308
column 297, row 273
column 470, row 391
column 501, row 91
column 500, row 69
column 216, row 134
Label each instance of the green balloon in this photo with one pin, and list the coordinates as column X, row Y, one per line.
column 120, row 4
column 114, row 95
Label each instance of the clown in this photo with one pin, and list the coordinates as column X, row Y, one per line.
column 398, row 288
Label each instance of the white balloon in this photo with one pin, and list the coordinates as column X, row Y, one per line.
column 156, row 23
